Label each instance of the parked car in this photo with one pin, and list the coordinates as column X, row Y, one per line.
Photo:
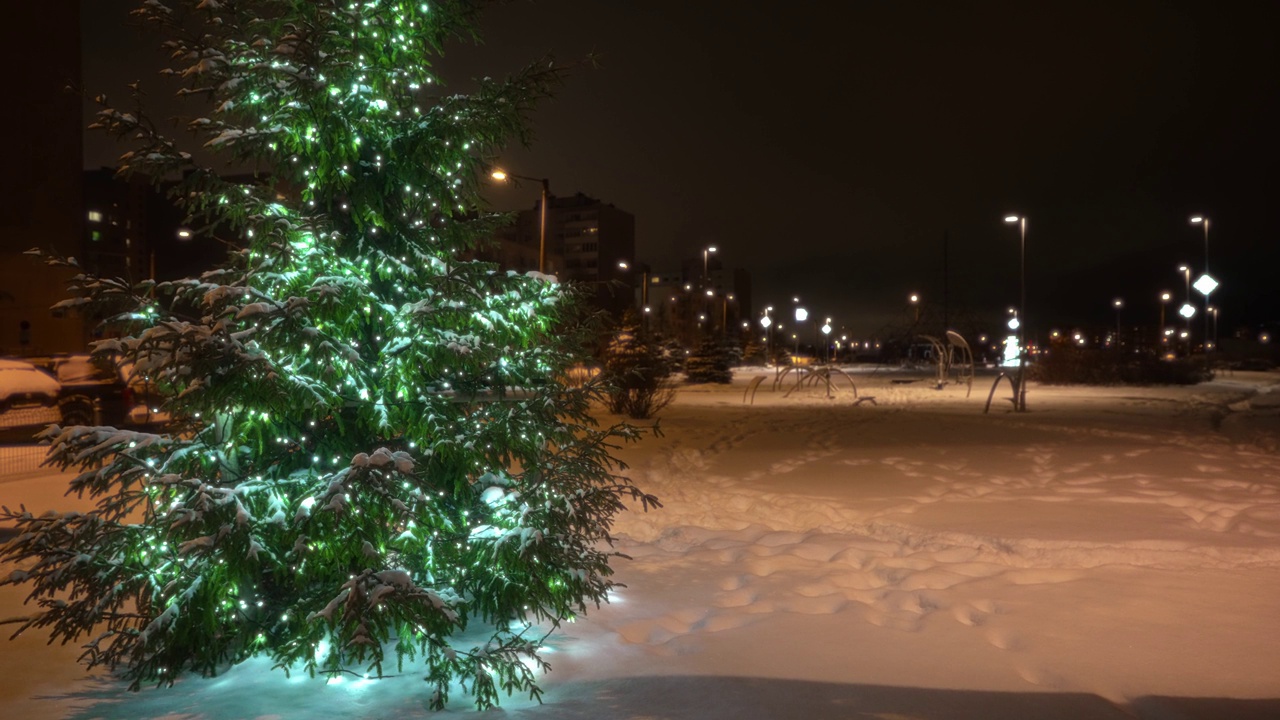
column 94, row 393
column 28, row 401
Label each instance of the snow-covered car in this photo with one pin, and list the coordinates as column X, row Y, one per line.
column 28, row 401
column 94, row 393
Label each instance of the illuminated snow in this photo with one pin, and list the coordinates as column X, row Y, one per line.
column 1110, row 554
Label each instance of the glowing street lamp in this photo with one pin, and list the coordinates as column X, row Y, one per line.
column 914, row 299
column 826, row 332
column 1205, row 283
column 1118, row 304
column 1165, row 297
column 765, row 322
column 502, row 176
column 707, row 252
column 801, row 316
column 1020, row 402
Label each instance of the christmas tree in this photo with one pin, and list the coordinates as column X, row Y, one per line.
column 371, row 451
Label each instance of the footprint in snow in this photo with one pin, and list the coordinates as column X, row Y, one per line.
column 970, row 616
column 1003, row 639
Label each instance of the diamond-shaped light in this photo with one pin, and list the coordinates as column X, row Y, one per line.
column 1187, row 310
column 1205, row 284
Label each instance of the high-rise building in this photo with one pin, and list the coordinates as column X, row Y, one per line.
column 586, row 240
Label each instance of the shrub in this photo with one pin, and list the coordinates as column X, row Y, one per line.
column 1065, row 365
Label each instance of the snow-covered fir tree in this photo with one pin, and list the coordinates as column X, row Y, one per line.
column 636, row 375
column 371, row 450
column 709, row 363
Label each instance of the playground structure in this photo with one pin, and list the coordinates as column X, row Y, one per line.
column 804, row 376
column 953, row 360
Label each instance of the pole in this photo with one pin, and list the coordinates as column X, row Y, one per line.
column 1022, row 310
column 1207, row 346
column 542, row 227
column 1186, row 276
column 946, row 320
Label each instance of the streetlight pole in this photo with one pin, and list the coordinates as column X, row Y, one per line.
column 826, row 341
column 1213, row 310
column 801, row 316
column 1119, row 305
column 1164, row 300
column 1202, row 220
column 501, row 176
column 706, row 258
column 766, row 322
column 1186, row 276
column 1021, row 401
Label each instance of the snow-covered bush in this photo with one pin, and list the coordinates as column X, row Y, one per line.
column 372, row 447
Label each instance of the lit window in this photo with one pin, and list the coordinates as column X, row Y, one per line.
column 95, row 216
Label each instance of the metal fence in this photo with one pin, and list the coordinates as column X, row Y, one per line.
column 18, row 460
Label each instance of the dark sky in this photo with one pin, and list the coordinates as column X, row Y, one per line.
column 830, row 147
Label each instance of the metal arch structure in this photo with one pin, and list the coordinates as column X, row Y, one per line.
column 805, row 376
column 967, row 369
column 946, row 360
column 941, row 358
column 1013, row 385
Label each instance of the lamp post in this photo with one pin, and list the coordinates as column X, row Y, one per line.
column 914, row 299
column 1118, row 304
column 1205, row 284
column 765, row 322
column 826, row 345
column 801, row 316
column 1186, row 302
column 1020, row 402
column 707, row 252
column 501, row 176
column 1164, row 300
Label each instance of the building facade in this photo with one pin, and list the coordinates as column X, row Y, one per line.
column 590, row 243
column 41, row 204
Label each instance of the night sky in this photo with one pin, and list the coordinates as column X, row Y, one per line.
column 830, row 148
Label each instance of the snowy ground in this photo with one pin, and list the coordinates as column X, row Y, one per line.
column 1113, row 553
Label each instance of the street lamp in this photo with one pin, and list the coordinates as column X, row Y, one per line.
column 1205, row 283
column 501, row 176
column 1165, row 297
column 1020, row 402
column 914, row 299
column 1118, row 303
column 1186, row 278
column 826, row 333
column 706, row 259
column 801, row 316
column 765, row 322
